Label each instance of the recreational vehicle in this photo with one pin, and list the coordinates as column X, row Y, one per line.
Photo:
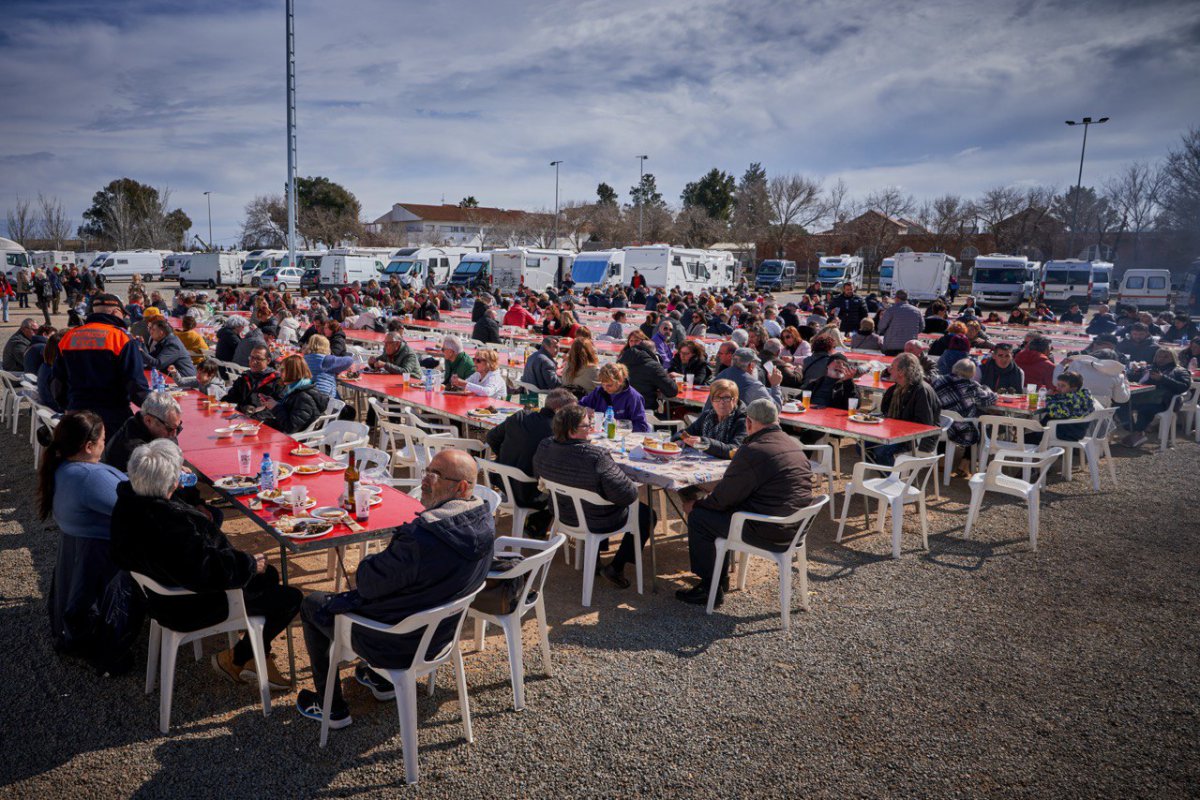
column 342, row 270
column 1146, row 288
column 424, row 266
column 833, row 271
column 1069, row 281
column 15, row 256
column 259, row 261
column 50, row 259
column 124, row 264
column 887, row 269
column 599, row 269
column 531, row 267
column 474, row 271
column 210, row 269
column 691, row 270
column 925, row 276
column 1003, row 281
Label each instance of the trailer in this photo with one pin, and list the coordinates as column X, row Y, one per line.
column 835, row 271
column 667, row 267
column 1002, row 281
column 925, row 276
column 51, row 259
column 211, row 270
column 425, row 266
column 599, row 269
column 531, row 267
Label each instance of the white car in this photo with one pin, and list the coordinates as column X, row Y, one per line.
column 281, row 278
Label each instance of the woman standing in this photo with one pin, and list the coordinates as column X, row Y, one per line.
column 581, row 367
column 485, row 381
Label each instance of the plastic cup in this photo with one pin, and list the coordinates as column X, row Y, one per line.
column 362, row 504
column 806, row 396
column 852, row 405
column 299, row 498
column 690, row 380
column 245, row 460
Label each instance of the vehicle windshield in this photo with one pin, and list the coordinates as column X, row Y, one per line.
column 98, row 262
column 769, row 268
column 1062, row 277
column 270, row 273
column 831, row 272
column 469, row 268
column 251, row 265
column 398, row 267
column 1006, row 276
column 886, row 272
column 16, row 260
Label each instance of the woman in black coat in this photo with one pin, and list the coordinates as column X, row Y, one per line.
column 646, row 373
column 300, row 402
column 336, row 337
column 691, row 359
column 229, row 336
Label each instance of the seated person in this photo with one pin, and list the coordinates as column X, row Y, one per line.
column 581, row 367
column 646, row 373
column 939, row 346
column 1069, row 400
column 485, row 381
column 192, row 339
column 570, row 459
column 1000, row 373
column 691, row 359
column 956, row 349
column 252, row 388
column 795, row 347
column 910, row 399
column 442, row 555
column 165, row 351
column 1140, row 345
column 958, row 391
column 514, row 442
column 541, row 370
column 207, row 379
column 1189, row 357
column 299, row 403
column 79, row 491
column 397, row 357
column 616, row 328
column 866, row 338
column 176, row 545
column 722, row 426
column 1043, row 314
column 1169, row 381
column 817, row 364
column 324, row 366
column 769, row 474
column 1035, row 361
column 1073, row 315
column 615, row 392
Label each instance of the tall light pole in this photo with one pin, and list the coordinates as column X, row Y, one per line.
column 555, row 165
column 641, row 195
column 208, row 195
column 1085, row 122
column 291, row 130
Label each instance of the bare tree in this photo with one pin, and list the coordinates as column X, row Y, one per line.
column 1020, row 221
column 575, row 222
column 695, row 228
column 950, row 218
column 265, row 224
column 1134, row 194
column 121, row 220
column 22, row 224
column 880, row 230
column 838, row 205
column 795, row 203
column 55, row 225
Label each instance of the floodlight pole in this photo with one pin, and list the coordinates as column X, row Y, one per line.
column 641, row 195
column 1085, row 122
column 555, row 164
column 291, row 131
column 208, row 195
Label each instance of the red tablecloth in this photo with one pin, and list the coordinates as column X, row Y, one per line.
column 835, row 421
column 447, row 404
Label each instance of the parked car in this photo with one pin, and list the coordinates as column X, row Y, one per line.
column 281, row 278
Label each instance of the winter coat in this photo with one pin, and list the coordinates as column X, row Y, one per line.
column 626, row 404
column 1038, row 367
column 541, row 370
column 403, row 362
column 228, row 340
column 646, row 374
column 252, row 339
column 920, row 404
column 515, row 441
column 706, row 425
column 298, row 409
column 700, row 369
column 998, row 380
column 170, row 352
column 582, row 465
column 325, row 370
column 248, row 384
column 99, row 368
column 486, row 330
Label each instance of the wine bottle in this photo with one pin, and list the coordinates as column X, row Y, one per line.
column 351, row 483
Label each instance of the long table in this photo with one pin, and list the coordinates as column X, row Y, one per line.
column 412, row 391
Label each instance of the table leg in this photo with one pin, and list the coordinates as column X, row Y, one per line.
column 283, row 578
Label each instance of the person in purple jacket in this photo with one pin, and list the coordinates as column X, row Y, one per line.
column 662, row 343
column 615, row 392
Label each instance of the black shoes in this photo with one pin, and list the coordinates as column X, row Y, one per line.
column 698, row 596
column 615, row 576
column 309, row 704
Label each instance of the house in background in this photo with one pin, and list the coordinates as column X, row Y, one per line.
column 415, row 224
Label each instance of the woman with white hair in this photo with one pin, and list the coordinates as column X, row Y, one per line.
column 178, row 546
column 485, row 381
column 910, row 399
column 229, row 336
column 959, row 392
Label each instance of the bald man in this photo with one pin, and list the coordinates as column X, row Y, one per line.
column 440, row 556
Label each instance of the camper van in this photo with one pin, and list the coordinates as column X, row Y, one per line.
column 691, row 270
column 1146, row 288
column 424, row 266
column 307, row 259
column 259, row 261
column 776, row 275
column 474, row 271
column 342, row 270
column 833, row 271
column 1069, row 281
column 527, row 266
column 925, row 276
column 887, row 269
column 1003, row 281
column 210, row 269
column 1101, row 281
column 124, row 264
column 173, row 265
column 49, row 259
column 15, row 257
column 599, row 269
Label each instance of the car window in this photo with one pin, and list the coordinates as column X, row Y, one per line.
column 1135, row 282
column 1157, row 283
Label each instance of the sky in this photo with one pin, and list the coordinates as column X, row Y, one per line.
column 415, row 102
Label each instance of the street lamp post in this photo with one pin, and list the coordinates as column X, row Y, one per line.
column 208, row 196
column 555, row 165
column 641, row 195
column 1085, row 122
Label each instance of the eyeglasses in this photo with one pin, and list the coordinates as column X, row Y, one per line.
column 724, row 399
column 171, row 429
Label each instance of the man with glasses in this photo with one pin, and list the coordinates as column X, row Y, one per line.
column 252, row 387
column 442, row 555
column 99, row 367
column 159, row 418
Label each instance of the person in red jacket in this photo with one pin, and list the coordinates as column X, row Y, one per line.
column 1035, row 361
column 518, row 316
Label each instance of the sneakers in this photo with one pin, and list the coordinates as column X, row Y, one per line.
column 308, row 703
column 382, row 689
column 1136, row 439
column 275, row 679
column 223, row 665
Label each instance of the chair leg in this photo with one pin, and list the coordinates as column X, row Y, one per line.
column 847, row 494
column 464, row 701
column 714, row 583
column 254, row 630
column 152, row 656
column 516, row 661
column 949, row 466
column 832, row 500
column 198, row 649
column 331, row 680
column 637, row 548
column 166, row 678
column 743, row 570
column 539, row 610
column 1035, row 502
column 802, row 553
column 924, row 521
column 406, row 708
column 431, row 683
column 785, row 592
column 1091, row 454
column 480, row 633
column 590, row 555
column 897, row 526
column 973, row 510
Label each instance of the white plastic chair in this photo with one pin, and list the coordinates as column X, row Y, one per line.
column 820, row 459
column 952, row 458
column 165, row 643
column 337, row 437
column 1164, row 419
column 14, row 399
column 994, row 480
column 671, row 425
column 533, row 569
column 507, row 476
column 1092, row 446
column 333, row 407
column 405, row 680
column 1188, row 412
column 583, row 536
column 902, row 484
column 45, row 419
column 992, row 428
column 802, row 519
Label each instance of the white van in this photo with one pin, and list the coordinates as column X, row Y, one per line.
column 528, row 266
column 343, row 270
column 173, row 265
column 1067, row 281
column 1101, row 281
column 1003, row 281
column 424, row 266
column 259, row 261
column 124, row 264
column 211, row 270
column 15, row 257
column 833, row 271
column 599, row 269
column 887, row 269
column 1146, row 288
column 667, row 267
column 925, row 276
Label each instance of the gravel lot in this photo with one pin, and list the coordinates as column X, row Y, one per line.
column 978, row 668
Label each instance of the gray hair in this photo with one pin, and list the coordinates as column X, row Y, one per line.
column 236, row 323
column 452, row 342
column 763, row 411
column 743, row 357
column 910, row 365
column 773, row 346
column 154, row 468
column 159, row 404
column 394, row 336
column 964, row 368
column 740, row 337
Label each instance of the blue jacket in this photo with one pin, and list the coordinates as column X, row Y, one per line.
column 663, row 348
column 626, row 404
column 170, row 352
column 325, row 370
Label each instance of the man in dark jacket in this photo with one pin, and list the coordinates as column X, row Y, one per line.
column 487, row 328
column 229, row 336
column 647, row 375
column 541, row 370
column 1103, row 322
column 397, row 357
column 178, row 546
column 483, row 302
column 252, row 340
column 18, row 343
column 442, row 555
column 851, row 309
column 769, row 474
column 910, row 399
column 1140, row 345
column 570, row 459
column 256, row 384
column 99, row 367
column 515, row 441
column 167, row 351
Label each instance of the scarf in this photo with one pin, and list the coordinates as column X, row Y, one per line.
column 896, row 407
column 715, row 429
column 292, row 387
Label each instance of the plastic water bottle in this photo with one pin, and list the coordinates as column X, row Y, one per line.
column 266, row 474
column 429, row 380
column 1041, row 400
column 610, row 423
column 157, row 383
column 187, row 479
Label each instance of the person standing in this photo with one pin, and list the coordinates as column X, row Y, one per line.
column 23, row 276
column 851, row 309
column 56, row 288
column 900, row 323
column 7, row 292
column 43, row 293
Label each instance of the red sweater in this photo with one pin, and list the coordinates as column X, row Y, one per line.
column 1038, row 367
column 518, row 316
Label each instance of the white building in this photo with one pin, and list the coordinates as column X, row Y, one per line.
column 425, row 225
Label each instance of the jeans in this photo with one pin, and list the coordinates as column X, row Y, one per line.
column 4, row 304
column 705, row 526
column 1138, row 416
column 267, row 598
column 885, row 454
column 318, row 638
column 22, row 299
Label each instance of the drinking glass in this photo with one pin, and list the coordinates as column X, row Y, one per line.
column 852, row 405
column 690, row 380
column 245, row 460
column 807, row 398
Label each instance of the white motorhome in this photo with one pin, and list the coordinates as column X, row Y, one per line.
column 691, row 270
column 305, row 259
column 342, row 270
column 424, row 266
column 15, row 256
column 887, row 269
column 1146, row 288
column 259, row 261
column 528, row 266
column 925, row 276
column 1070, row 281
column 1004, row 281
column 49, row 259
column 210, row 269
column 84, row 258
column 833, row 271
column 173, row 265
column 599, row 269
column 1102, row 273
column 124, row 264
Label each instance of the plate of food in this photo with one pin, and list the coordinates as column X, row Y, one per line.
column 273, row 495
column 225, row 433
column 303, row 451
column 865, row 419
column 486, row 411
column 237, row 484
column 303, row 527
column 455, row 390
column 793, row 408
column 350, row 376
column 308, row 469
column 333, row 466
column 283, row 471
column 247, row 428
column 328, row 513
column 661, row 450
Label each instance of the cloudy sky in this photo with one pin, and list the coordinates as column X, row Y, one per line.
column 406, row 101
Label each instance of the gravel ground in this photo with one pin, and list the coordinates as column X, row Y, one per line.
column 978, row 668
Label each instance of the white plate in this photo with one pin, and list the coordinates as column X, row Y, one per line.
column 319, row 513
column 304, row 452
column 313, row 535
column 865, row 420
column 227, row 483
column 333, row 466
column 792, row 408
column 307, row 470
